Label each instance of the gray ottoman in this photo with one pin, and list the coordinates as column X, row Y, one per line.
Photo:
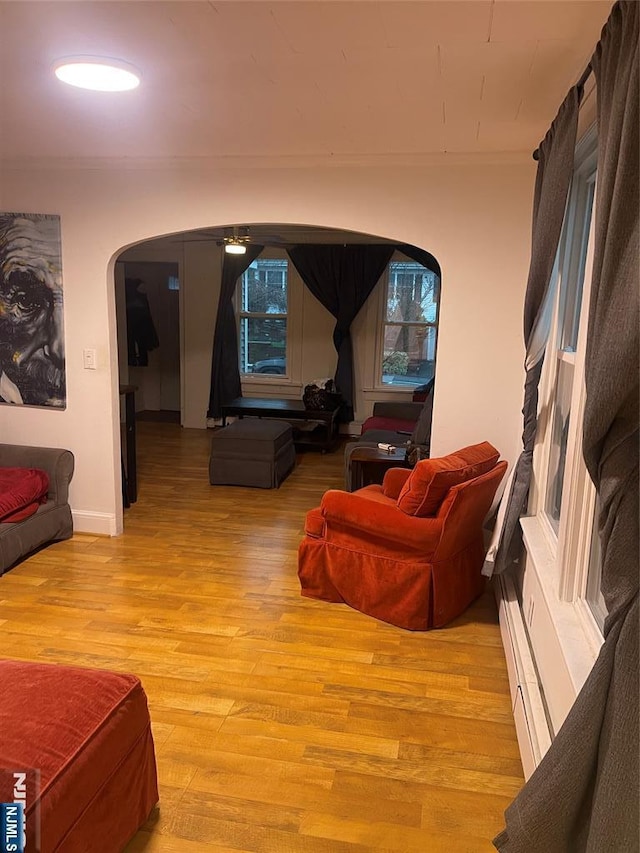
column 251, row 452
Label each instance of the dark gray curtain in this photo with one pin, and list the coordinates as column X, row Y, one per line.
column 555, row 168
column 584, row 795
column 341, row 278
column 225, row 373
column 421, row 256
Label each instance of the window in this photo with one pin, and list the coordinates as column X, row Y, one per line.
column 263, row 310
column 410, row 323
column 563, row 497
column 559, row 583
column 574, row 256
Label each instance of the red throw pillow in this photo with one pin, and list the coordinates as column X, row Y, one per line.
column 431, row 479
column 21, row 514
column 22, row 490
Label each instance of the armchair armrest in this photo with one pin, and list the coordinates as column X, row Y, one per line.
column 381, row 520
column 58, row 464
column 393, row 481
column 404, row 411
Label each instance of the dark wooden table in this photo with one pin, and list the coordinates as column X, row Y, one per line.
column 323, row 437
column 369, row 465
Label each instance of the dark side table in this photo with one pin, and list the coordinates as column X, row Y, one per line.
column 369, row 465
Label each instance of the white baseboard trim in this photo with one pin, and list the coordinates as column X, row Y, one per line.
column 532, row 727
column 101, row 523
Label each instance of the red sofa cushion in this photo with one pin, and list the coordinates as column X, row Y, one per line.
column 391, row 424
column 88, row 734
column 22, row 490
column 431, row 479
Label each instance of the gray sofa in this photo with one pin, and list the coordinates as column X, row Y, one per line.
column 420, row 437
column 53, row 519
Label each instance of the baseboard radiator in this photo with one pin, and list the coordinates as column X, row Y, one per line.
column 532, row 727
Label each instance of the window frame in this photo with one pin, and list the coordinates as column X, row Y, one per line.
column 569, row 549
column 381, row 322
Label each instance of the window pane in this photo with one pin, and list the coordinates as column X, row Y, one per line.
column 264, row 287
column 263, row 345
column 410, row 331
column 595, row 599
column 559, row 432
column 409, row 354
column 412, row 293
column 572, row 295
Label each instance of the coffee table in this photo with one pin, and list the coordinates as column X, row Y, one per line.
column 325, row 437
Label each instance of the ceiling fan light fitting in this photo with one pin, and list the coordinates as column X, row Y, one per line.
column 236, row 245
column 234, row 248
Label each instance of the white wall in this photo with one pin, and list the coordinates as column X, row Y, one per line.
column 473, row 215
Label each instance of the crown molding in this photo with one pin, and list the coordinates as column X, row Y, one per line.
column 232, row 163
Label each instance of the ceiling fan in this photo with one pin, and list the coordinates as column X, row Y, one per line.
column 267, row 235
column 236, row 242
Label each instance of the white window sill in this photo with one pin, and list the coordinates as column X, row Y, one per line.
column 576, row 630
column 393, row 390
column 270, row 384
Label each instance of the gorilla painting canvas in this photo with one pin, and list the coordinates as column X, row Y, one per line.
column 32, row 364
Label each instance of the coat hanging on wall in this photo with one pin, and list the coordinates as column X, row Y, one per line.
column 141, row 332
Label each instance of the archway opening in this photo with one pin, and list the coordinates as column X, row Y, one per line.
column 285, row 334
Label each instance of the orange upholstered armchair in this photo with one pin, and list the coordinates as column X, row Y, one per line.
column 409, row 552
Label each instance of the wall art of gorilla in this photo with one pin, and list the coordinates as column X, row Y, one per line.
column 32, row 365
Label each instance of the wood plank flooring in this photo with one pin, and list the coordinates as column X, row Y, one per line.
column 281, row 724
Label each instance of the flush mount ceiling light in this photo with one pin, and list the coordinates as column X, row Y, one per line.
column 100, row 74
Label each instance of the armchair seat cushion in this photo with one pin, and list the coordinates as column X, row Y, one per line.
column 375, row 521
column 22, row 490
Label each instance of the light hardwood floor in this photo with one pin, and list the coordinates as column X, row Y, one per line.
column 280, row 723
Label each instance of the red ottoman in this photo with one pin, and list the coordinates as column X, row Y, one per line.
column 87, row 734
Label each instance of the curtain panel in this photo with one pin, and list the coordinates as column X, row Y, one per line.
column 584, row 796
column 553, row 179
column 421, row 256
column 225, row 372
column 341, row 278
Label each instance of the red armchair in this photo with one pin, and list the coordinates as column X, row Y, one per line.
column 409, row 552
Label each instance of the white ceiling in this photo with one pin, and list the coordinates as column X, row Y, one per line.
column 330, row 77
